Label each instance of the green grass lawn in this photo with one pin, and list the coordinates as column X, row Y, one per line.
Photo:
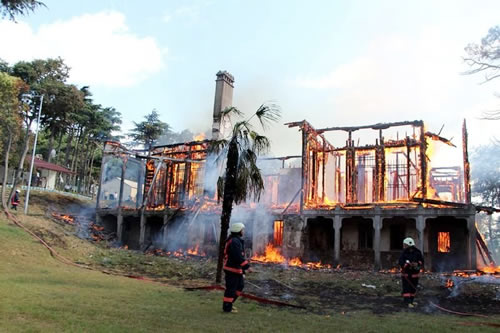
column 40, row 294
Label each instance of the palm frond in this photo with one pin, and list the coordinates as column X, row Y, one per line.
column 261, row 144
column 216, row 146
column 268, row 113
column 249, row 182
column 229, row 112
column 241, row 129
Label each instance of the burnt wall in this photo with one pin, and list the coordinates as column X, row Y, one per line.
column 131, row 232
column 456, row 256
column 318, row 240
column 292, row 236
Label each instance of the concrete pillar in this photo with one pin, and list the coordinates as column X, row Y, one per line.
column 377, row 225
column 119, row 227
column 337, row 225
column 420, row 229
column 471, row 226
column 142, row 235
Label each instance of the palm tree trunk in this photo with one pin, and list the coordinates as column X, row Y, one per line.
column 5, row 204
column 227, row 202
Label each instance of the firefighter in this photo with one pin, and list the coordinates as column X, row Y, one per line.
column 235, row 266
column 15, row 200
column 411, row 262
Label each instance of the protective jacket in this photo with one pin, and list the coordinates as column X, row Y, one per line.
column 234, row 255
column 411, row 260
column 15, row 199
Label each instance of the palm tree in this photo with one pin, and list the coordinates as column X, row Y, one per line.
column 241, row 179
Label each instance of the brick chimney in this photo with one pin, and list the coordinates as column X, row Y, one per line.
column 223, row 99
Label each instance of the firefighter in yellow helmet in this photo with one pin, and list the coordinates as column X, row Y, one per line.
column 235, row 266
column 411, row 262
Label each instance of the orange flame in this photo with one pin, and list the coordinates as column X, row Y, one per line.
column 443, row 242
column 63, row 217
column 273, row 255
column 199, row 137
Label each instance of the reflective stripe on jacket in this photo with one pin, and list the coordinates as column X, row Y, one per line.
column 234, row 255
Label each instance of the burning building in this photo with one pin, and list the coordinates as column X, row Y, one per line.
column 348, row 203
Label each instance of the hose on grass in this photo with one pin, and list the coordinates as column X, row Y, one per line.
column 67, row 261
column 458, row 313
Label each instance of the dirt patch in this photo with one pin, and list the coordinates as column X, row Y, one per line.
column 344, row 291
column 51, row 238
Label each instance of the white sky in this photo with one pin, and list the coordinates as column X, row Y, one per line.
column 334, row 63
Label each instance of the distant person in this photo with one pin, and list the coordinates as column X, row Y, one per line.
column 235, row 266
column 411, row 262
column 15, row 200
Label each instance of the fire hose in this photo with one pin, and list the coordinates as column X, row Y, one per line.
column 249, row 296
column 458, row 313
column 67, row 261
column 446, row 310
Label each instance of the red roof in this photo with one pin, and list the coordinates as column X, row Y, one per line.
column 41, row 164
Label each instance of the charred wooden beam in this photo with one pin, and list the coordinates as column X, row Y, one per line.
column 323, row 171
column 380, row 168
column 440, row 202
column 467, row 186
column 281, row 158
column 186, row 180
column 379, row 126
column 314, row 175
column 481, row 244
column 350, row 171
column 168, row 153
column 487, row 209
column 291, row 201
column 408, row 167
column 306, row 126
column 305, row 159
column 179, row 160
column 423, row 162
column 436, row 137
column 146, row 197
column 191, row 143
column 388, row 144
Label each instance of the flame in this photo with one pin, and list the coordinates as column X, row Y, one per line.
column 199, row 137
column 491, row 270
column 449, row 283
column 295, row 262
column 65, row 218
column 443, row 242
column 273, row 255
column 180, row 253
column 195, row 251
column 278, row 232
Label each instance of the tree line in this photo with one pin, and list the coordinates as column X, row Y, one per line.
column 72, row 125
